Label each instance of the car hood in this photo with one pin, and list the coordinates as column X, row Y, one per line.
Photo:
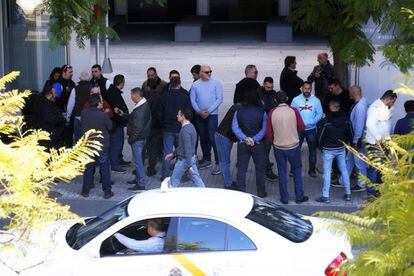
column 42, row 246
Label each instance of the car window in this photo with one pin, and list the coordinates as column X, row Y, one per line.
column 281, row 221
column 80, row 234
column 136, row 238
column 237, row 240
column 202, row 234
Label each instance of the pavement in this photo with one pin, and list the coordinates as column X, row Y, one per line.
column 228, row 53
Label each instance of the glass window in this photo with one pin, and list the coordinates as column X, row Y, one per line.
column 200, row 234
column 79, row 235
column 237, row 240
column 281, row 221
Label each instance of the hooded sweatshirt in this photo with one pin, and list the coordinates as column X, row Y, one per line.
column 310, row 110
column 242, row 87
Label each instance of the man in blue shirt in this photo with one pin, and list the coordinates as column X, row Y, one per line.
column 406, row 125
column 155, row 244
column 249, row 125
column 206, row 96
column 310, row 109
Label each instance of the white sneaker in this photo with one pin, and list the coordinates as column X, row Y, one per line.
column 216, row 170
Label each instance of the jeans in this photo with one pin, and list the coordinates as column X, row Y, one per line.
column 268, row 147
column 206, row 130
column 180, row 169
column 137, row 147
column 351, row 161
column 294, row 158
column 103, row 161
column 258, row 152
column 224, row 146
column 77, row 130
column 311, row 139
column 328, row 156
column 170, row 140
column 116, row 142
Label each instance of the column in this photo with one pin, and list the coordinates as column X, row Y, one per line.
column 284, row 7
column 203, row 7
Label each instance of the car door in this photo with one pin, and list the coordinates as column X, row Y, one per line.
column 95, row 261
column 206, row 246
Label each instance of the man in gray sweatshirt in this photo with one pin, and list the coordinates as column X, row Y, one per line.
column 185, row 151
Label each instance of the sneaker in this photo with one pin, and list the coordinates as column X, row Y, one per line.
column 204, row 165
column 262, row 194
column 284, row 201
column 137, row 188
column 108, row 195
column 118, row 170
column 216, row 170
column 323, row 199
column 151, row 172
column 303, row 199
column 357, row 188
column 271, row 176
column 312, row 174
column 336, row 185
column 347, row 197
column 124, row 163
column 84, row 194
column 133, row 181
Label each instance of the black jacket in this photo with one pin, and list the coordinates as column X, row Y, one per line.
column 170, row 103
column 321, row 83
column 67, row 86
column 49, row 118
column 267, row 99
column 82, row 96
column 244, row 86
column 115, row 100
column 94, row 118
column 344, row 99
column 153, row 98
column 139, row 123
column 290, row 83
column 225, row 127
column 333, row 130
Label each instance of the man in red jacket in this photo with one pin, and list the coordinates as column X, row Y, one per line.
column 283, row 126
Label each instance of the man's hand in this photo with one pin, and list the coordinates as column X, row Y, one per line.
column 169, row 156
column 378, row 142
column 191, row 171
column 249, row 141
column 204, row 114
column 107, row 110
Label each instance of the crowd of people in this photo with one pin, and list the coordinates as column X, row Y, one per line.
column 168, row 123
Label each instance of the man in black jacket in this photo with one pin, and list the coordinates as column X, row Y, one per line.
column 321, row 75
column 95, row 118
column 138, row 129
column 67, row 86
column 289, row 81
column 99, row 80
column 267, row 96
column 248, row 84
column 49, row 117
column 225, row 138
column 339, row 94
column 170, row 103
column 153, row 146
column 117, row 103
column 334, row 130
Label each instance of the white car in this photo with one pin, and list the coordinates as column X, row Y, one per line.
column 208, row 232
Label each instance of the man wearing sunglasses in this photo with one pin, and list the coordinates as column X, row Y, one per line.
column 247, row 84
column 206, row 96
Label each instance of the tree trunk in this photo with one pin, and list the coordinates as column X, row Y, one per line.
column 341, row 69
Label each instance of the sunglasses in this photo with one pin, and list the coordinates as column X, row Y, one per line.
column 66, row 66
column 208, row 72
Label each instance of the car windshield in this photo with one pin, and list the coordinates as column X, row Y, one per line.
column 281, row 221
column 80, row 234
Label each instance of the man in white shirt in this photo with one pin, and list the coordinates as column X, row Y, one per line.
column 155, row 244
column 378, row 129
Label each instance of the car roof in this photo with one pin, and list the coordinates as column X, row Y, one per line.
column 191, row 201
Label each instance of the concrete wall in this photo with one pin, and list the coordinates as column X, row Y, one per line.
column 80, row 59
